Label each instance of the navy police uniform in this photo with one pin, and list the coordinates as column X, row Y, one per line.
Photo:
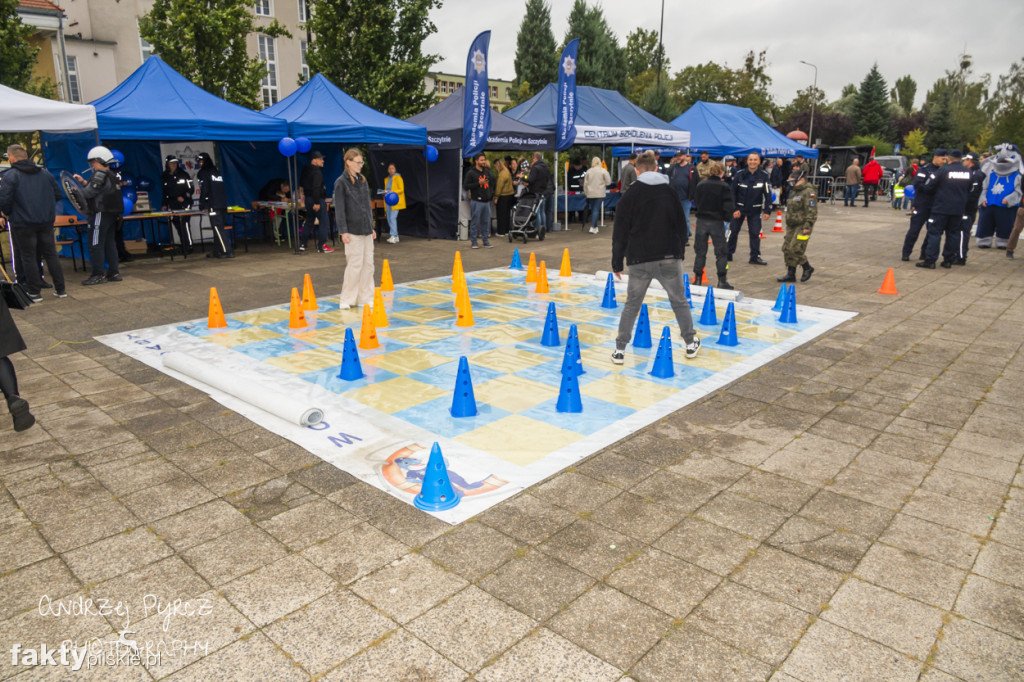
column 949, row 186
column 213, row 199
column 752, row 197
column 971, row 212
column 922, row 206
column 176, row 190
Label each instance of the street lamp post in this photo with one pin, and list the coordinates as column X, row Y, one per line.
column 814, row 92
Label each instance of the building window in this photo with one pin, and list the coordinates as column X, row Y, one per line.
column 268, row 53
column 303, row 12
column 74, row 91
column 264, row 8
column 146, row 48
column 494, row 91
column 303, row 48
column 444, row 87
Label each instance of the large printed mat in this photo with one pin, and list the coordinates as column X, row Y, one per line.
column 381, row 428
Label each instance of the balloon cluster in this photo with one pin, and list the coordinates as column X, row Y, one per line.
column 288, row 146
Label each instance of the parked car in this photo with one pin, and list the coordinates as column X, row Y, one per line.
column 893, row 166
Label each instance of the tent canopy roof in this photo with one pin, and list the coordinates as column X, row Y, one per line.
column 726, row 129
column 158, row 103
column 443, row 122
column 322, row 112
column 602, row 117
column 22, row 112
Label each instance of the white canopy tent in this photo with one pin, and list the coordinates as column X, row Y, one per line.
column 22, row 112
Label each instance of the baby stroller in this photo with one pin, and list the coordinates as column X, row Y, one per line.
column 524, row 219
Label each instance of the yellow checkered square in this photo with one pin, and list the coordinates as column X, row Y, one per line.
column 395, row 394
column 509, row 360
column 407, row 360
column 628, row 391
column 236, row 337
column 514, row 394
column 307, row 361
column 518, row 439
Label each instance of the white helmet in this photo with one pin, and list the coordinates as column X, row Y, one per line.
column 101, row 154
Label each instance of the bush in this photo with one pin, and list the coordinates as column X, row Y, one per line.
column 882, row 148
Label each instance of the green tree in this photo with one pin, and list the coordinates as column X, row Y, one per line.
column 751, row 84
column 372, row 49
column 17, row 56
column 903, row 93
column 848, row 89
column 206, row 43
column 660, row 102
column 871, row 107
column 966, row 95
column 803, row 101
column 882, row 147
column 940, row 124
column 536, row 52
column 600, row 61
column 709, row 82
column 1007, row 106
column 913, row 143
column 641, row 52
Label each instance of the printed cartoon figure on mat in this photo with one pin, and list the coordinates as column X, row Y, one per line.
column 405, row 468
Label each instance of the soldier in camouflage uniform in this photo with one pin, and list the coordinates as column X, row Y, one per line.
column 801, row 214
column 703, row 167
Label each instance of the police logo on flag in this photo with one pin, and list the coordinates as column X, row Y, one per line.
column 569, row 66
column 479, row 61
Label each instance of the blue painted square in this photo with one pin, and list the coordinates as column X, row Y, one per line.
column 435, row 416
column 273, row 348
column 443, row 376
column 596, row 415
column 460, row 344
column 387, row 345
column 201, row 331
column 747, row 347
column 685, row 375
column 402, row 306
column 550, row 373
column 328, row 378
column 772, row 320
column 533, row 346
column 536, row 323
column 326, row 305
column 314, row 324
column 449, row 323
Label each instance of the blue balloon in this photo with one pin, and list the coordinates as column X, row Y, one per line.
column 129, row 205
column 144, row 184
column 430, row 151
column 908, row 191
column 130, row 194
column 127, row 181
column 774, row 199
column 118, row 158
column 303, row 145
column 391, row 198
column 287, row 146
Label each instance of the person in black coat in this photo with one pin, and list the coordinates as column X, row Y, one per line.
column 176, row 190
column 11, row 343
column 712, row 200
column 213, row 199
column 311, row 181
column 752, row 199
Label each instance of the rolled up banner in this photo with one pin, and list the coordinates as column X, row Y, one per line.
column 257, row 395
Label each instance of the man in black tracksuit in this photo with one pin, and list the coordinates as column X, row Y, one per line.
column 752, row 199
column 311, row 180
column 176, row 190
column 103, row 192
column 712, row 200
column 213, row 198
column 949, row 186
column 922, row 204
column 973, row 163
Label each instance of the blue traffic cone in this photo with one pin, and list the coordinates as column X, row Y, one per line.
column 436, row 493
column 780, row 300
column 788, row 315
column 350, row 367
column 663, row 368
column 575, row 336
column 571, row 361
column 728, row 337
column 686, row 290
column 463, row 402
column 569, row 399
column 516, row 263
column 609, row 293
column 550, row 336
column 642, row 336
column 708, row 315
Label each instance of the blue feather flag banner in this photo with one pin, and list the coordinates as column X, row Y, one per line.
column 566, row 133
column 476, row 115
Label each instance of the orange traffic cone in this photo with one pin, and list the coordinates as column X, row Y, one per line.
column 457, row 272
column 762, row 234
column 368, row 333
column 308, row 297
column 542, row 280
column 296, row 317
column 778, row 223
column 216, row 318
column 380, row 316
column 889, row 284
column 531, row 269
column 566, row 269
column 704, row 276
column 386, row 283
column 464, row 314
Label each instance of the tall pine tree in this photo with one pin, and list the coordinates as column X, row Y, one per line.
column 372, row 49
column 601, row 62
column 536, row 61
column 941, row 128
column 871, row 108
column 903, row 93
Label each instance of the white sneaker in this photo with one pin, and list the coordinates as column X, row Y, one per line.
column 344, row 306
column 693, row 347
column 392, row 240
column 593, row 230
column 618, row 357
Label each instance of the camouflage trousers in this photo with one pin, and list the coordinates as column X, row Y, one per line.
column 794, row 246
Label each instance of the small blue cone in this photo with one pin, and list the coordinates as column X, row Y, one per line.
column 351, row 370
column 663, row 368
column 550, row 337
column 571, row 361
column 436, row 493
column 708, row 315
column 788, row 315
column 463, row 402
column 609, row 293
column 516, row 263
column 575, row 336
column 569, row 399
column 642, row 335
column 780, row 300
column 686, row 290
column 728, row 337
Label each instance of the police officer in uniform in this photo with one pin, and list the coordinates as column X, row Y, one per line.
column 949, row 187
column 213, row 199
column 176, row 190
column 922, row 203
column 801, row 214
column 752, row 197
column 317, row 223
column 103, row 192
column 973, row 163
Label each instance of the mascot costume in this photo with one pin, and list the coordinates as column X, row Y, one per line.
column 1000, row 196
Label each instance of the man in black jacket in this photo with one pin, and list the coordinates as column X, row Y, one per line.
column 176, row 189
column 922, row 204
column 752, row 199
column 538, row 183
column 479, row 184
column 213, row 199
column 28, row 195
column 712, row 200
column 949, row 188
column 973, row 163
column 649, row 235
column 311, row 181
column 106, row 204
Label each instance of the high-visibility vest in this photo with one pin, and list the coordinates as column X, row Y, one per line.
column 897, row 191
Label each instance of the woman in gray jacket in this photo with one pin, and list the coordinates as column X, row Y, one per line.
column 354, row 215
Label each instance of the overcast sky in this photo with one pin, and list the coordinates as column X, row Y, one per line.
column 843, row 39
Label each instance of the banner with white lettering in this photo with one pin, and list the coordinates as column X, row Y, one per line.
column 476, row 116
column 567, row 96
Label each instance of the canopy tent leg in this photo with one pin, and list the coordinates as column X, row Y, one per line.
column 554, row 213
column 427, row 162
column 566, row 211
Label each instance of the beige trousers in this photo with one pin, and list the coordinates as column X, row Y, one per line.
column 357, row 286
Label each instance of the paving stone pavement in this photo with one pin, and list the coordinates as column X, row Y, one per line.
column 851, row 511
